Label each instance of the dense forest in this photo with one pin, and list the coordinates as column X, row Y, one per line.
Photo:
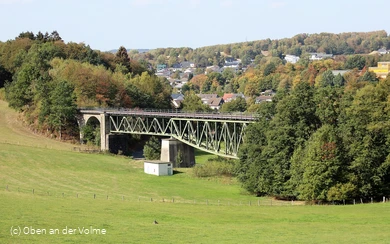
column 325, row 136
column 326, row 142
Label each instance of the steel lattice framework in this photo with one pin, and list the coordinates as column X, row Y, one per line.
column 217, row 133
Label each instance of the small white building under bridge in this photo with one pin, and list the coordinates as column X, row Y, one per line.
column 158, row 168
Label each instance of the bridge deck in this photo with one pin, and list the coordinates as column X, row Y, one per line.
column 172, row 114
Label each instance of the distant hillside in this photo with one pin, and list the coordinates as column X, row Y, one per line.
column 128, row 50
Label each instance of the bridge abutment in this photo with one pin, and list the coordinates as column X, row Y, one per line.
column 171, row 148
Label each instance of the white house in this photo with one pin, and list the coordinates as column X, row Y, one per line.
column 158, row 168
column 291, row 58
column 319, row 56
column 383, row 51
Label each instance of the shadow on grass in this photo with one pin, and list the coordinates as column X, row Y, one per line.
column 199, row 152
column 175, row 172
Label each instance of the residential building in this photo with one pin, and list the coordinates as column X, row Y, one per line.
column 383, row 51
column 161, row 67
column 214, row 68
column 269, row 92
column 163, row 72
column 232, row 62
column 340, row 72
column 186, row 65
column 263, row 98
column 382, row 69
column 175, row 67
column 319, row 56
column 234, row 68
column 215, row 103
column 206, row 97
column 212, row 100
column 228, row 97
column 291, row 58
column 189, row 70
column 177, row 99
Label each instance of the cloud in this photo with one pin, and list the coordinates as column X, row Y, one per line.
column 277, row 4
column 14, row 1
column 226, row 3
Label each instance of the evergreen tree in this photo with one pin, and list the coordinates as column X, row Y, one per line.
column 152, row 149
column 122, row 57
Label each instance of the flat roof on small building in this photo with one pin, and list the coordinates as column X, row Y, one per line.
column 157, row 162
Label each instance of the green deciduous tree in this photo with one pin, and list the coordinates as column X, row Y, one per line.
column 293, row 123
column 322, row 165
column 328, row 100
column 355, row 61
column 366, row 132
column 19, row 93
column 63, row 106
column 91, row 134
column 368, row 76
column 237, row 105
column 253, row 170
column 193, row 103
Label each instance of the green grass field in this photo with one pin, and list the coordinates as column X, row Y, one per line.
column 46, row 186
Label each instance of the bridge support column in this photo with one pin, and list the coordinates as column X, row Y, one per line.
column 170, row 148
column 104, row 132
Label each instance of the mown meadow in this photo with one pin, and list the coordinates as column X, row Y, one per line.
column 45, row 185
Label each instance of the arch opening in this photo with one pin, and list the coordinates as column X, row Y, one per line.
column 91, row 132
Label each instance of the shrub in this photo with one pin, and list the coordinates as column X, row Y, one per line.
column 214, row 168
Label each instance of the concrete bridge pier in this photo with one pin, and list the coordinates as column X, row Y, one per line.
column 171, row 147
column 104, row 132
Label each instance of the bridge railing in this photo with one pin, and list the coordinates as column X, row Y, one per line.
column 175, row 113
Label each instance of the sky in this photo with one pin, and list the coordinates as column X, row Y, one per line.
column 149, row 24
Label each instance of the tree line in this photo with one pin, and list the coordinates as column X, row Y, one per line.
column 343, row 44
column 47, row 80
column 328, row 142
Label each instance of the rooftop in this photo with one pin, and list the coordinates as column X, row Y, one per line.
column 156, row 162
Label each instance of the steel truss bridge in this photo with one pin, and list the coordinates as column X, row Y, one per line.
column 217, row 133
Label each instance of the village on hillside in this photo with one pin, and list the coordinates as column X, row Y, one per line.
column 186, row 70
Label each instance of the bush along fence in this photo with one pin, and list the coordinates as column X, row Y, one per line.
column 154, row 199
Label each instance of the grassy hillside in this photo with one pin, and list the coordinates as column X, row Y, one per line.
column 13, row 131
column 45, row 185
column 57, row 172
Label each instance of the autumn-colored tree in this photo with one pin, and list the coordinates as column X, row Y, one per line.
column 198, row 81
